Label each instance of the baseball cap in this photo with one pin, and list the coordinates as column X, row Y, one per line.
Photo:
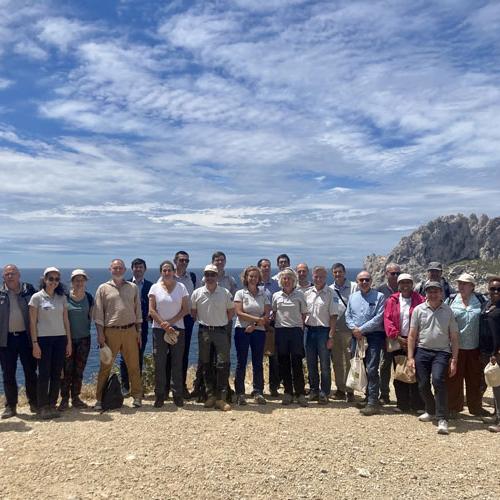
column 466, row 278
column 210, row 268
column 433, row 284
column 51, row 270
column 436, row 266
column 78, row 272
column 404, row 276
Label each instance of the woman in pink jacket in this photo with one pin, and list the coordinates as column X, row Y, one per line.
column 397, row 313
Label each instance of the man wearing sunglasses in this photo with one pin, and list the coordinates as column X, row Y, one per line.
column 364, row 316
column 15, row 339
column 392, row 271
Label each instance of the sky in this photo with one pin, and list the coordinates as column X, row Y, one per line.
column 324, row 129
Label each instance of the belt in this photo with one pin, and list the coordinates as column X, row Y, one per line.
column 124, row 327
column 16, row 334
column 213, row 328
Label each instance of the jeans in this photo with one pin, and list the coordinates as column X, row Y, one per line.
column 74, row 367
column 376, row 342
column 433, row 363
column 242, row 342
column 290, row 349
column 18, row 345
column 50, row 366
column 216, row 338
column 316, row 339
column 160, row 351
column 123, row 364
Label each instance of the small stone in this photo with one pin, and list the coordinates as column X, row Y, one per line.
column 364, row 473
column 130, row 457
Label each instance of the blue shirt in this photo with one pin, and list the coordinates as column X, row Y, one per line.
column 468, row 321
column 271, row 287
column 366, row 311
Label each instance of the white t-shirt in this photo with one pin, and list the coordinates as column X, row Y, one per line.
column 252, row 304
column 404, row 315
column 168, row 304
column 50, row 313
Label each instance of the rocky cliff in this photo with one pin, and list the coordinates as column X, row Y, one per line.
column 460, row 243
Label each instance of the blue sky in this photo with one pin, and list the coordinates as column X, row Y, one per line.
column 324, row 129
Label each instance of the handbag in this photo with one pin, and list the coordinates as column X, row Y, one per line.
column 403, row 372
column 392, row 345
column 492, row 374
column 356, row 378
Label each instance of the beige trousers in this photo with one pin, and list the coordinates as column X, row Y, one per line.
column 341, row 357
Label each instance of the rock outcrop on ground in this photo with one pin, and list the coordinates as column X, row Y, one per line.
column 460, row 243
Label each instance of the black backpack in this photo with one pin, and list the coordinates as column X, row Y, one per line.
column 112, row 397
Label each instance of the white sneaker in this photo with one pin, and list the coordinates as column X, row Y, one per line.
column 98, row 406
column 137, row 403
column 425, row 417
column 443, row 427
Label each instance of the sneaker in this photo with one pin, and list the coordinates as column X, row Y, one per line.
column 10, row 411
column 494, row 428
column 287, row 399
column 443, row 427
column 98, row 406
column 490, row 420
column 483, row 412
column 125, row 392
column 340, row 395
column 186, row 394
column 241, row 400
column 313, row 396
column 425, row 417
column 45, row 413
column 159, row 402
column 322, row 400
column 349, row 397
column 64, row 404
column 384, row 400
column 76, row 402
column 178, row 401
column 274, row 393
column 137, row 403
column 210, row 402
column 222, row 405
column 302, row 401
column 259, row 399
column 370, row 410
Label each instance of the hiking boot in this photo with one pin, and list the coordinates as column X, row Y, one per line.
column 443, row 427
column 274, row 393
column 361, row 404
column 349, row 397
column 45, row 413
column 494, row 428
column 186, row 394
column 137, row 403
column 222, row 405
column 313, row 396
column 64, row 404
column 260, row 399
column 10, row 411
column 287, row 399
column 241, row 400
column 98, row 406
column 322, row 400
column 210, row 402
column 425, row 417
column 159, row 402
column 302, row 401
column 370, row 410
column 76, row 402
column 178, row 401
column 339, row 395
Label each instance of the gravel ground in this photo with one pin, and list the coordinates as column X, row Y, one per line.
column 250, row 452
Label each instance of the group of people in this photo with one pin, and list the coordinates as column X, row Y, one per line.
column 444, row 337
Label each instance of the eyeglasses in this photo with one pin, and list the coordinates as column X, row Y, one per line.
column 495, row 289
column 210, row 275
column 183, row 260
column 395, row 273
column 52, row 278
column 364, row 280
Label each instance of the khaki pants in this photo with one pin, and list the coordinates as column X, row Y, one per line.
column 124, row 341
column 341, row 358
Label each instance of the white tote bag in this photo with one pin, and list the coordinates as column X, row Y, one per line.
column 492, row 374
column 357, row 379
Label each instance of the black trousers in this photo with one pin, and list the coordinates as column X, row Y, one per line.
column 18, row 346
column 50, row 367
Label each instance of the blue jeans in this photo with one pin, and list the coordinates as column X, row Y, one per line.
column 316, row 338
column 433, row 363
column 376, row 342
column 256, row 341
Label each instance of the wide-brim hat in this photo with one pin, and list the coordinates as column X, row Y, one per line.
column 466, row 278
column 405, row 276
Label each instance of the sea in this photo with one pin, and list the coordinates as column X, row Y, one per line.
column 98, row 276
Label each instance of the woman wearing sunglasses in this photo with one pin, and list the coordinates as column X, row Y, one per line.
column 51, row 337
column 491, row 315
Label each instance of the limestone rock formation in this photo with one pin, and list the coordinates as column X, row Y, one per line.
column 451, row 239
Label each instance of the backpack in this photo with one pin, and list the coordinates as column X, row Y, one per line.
column 193, row 278
column 479, row 297
column 112, row 397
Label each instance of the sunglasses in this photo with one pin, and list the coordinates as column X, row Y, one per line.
column 364, row 280
column 52, row 278
column 494, row 289
column 394, row 273
column 210, row 274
